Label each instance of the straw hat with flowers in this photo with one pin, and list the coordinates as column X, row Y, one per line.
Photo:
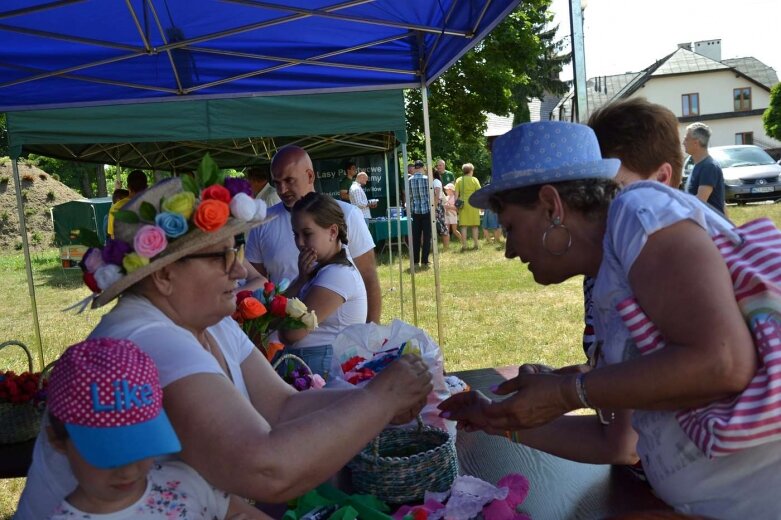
column 166, row 222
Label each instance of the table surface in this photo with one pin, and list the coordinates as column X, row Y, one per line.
column 559, row 488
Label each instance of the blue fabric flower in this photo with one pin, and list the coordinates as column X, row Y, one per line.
column 173, row 224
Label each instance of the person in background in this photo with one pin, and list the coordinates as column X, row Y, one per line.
column 119, row 194
column 420, row 210
column 706, row 181
column 491, row 228
column 328, row 283
column 271, row 248
column 358, row 196
column 346, row 183
column 439, row 205
column 111, row 440
column 468, row 215
column 451, row 215
column 259, row 178
column 446, row 176
column 136, row 183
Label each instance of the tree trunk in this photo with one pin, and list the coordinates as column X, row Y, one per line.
column 101, row 175
column 86, row 185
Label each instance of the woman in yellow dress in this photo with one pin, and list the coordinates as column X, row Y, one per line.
column 468, row 215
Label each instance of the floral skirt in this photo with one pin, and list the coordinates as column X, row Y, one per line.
column 441, row 225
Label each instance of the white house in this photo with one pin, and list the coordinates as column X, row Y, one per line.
column 697, row 85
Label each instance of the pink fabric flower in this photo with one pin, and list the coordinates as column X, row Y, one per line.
column 149, row 241
column 317, row 382
column 507, row 509
column 93, row 260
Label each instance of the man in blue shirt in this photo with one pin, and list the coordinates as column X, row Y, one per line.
column 421, row 216
column 707, row 180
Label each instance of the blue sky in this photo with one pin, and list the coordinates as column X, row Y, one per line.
column 629, row 35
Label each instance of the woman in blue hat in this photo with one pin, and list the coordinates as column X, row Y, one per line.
column 649, row 246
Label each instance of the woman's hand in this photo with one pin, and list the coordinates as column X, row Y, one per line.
column 468, row 410
column 536, row 399
column 307, row 259
column 405, row 383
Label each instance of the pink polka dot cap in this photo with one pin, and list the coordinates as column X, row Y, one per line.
column 107, row 393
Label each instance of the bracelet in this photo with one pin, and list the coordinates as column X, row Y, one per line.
column 580, row 389
column 511, row 436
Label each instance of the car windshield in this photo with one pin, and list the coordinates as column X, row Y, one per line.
column 736, row 157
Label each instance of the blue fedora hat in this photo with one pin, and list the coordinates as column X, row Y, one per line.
column 544, row 153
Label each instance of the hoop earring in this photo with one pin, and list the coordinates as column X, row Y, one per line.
column 556, row 224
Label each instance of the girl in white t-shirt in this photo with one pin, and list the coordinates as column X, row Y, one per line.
column 327, row 283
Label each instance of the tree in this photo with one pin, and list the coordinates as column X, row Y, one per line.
column 3, row 136
column 772, row 116
column 519, row 59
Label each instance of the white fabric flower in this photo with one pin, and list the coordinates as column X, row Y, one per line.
column 260, row 210
column 107, row 275
column 310, row 320
column 295, row 308
column 242, row 206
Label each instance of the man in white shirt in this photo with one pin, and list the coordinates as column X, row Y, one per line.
column 358, row 196
column 271, row 248
column 262, row 189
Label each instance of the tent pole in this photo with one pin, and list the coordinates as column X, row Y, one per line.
column 398, row 230
column 409, row 235
column 27, row 261
column 432, row 212
column 387, row 203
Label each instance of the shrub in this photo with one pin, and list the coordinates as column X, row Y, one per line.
column 29, row 212
column 4, row 216
column 28, row 177
column 4, row 179
column 50, row 196
column 36, row 238
column 18, row 246
column 55, row 177
column 25, row 193
column 43, row 176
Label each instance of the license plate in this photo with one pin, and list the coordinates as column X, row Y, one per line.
column 763, row 189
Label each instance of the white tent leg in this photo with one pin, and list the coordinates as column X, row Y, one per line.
column 433, row 213
column 409, row 235
column 387, row 205
column 27, row 261
column 399, row 236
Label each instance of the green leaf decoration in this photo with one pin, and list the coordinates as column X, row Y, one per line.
column 126, row 216
column 85, row 237
column 189, row 184
column 147, row 212
column 208, row 172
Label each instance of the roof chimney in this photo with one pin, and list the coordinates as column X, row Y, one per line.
column 709, row 48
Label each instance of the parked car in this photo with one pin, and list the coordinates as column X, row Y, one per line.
column 750, row 174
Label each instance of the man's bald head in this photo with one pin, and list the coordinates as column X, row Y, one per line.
column 293, row 174
column 362, row 178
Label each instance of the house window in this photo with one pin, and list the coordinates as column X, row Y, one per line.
column 690, row 104
column 744, row 138
column 742, row 98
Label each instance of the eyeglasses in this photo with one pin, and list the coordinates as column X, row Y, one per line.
column 231, row 256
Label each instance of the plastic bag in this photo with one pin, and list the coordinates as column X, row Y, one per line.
column 367, row 339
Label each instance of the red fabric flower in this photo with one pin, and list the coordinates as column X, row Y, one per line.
column 89, row 281
column 241, row 295
column 216, row 192
column 278, row 306
column 351, row 363
column 250, row 308
column 211, row 215
column 268, row 288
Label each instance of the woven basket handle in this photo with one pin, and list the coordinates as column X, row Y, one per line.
column 285, row 357
column 24, row 347
column 376, row 441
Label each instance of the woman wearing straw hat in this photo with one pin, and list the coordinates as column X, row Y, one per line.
column 557, row 200
column 174, row 266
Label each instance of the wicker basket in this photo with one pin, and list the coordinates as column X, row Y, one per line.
column 19, row 422
column 400, row 465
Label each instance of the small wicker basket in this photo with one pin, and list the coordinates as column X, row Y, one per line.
column 400, row 465
column 20, row 422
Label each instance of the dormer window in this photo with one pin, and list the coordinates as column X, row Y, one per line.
column 690, row 105
column 742, row 99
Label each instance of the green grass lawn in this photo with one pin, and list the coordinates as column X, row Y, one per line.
column 492, row 312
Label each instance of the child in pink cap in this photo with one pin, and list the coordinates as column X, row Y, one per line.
column 106, row 415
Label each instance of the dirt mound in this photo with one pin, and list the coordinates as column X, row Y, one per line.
column 40, row 192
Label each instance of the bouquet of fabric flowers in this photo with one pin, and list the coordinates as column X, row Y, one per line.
column 266, row 310
column 26, row 387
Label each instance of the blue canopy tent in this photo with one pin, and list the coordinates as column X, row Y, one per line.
column 77, row 53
